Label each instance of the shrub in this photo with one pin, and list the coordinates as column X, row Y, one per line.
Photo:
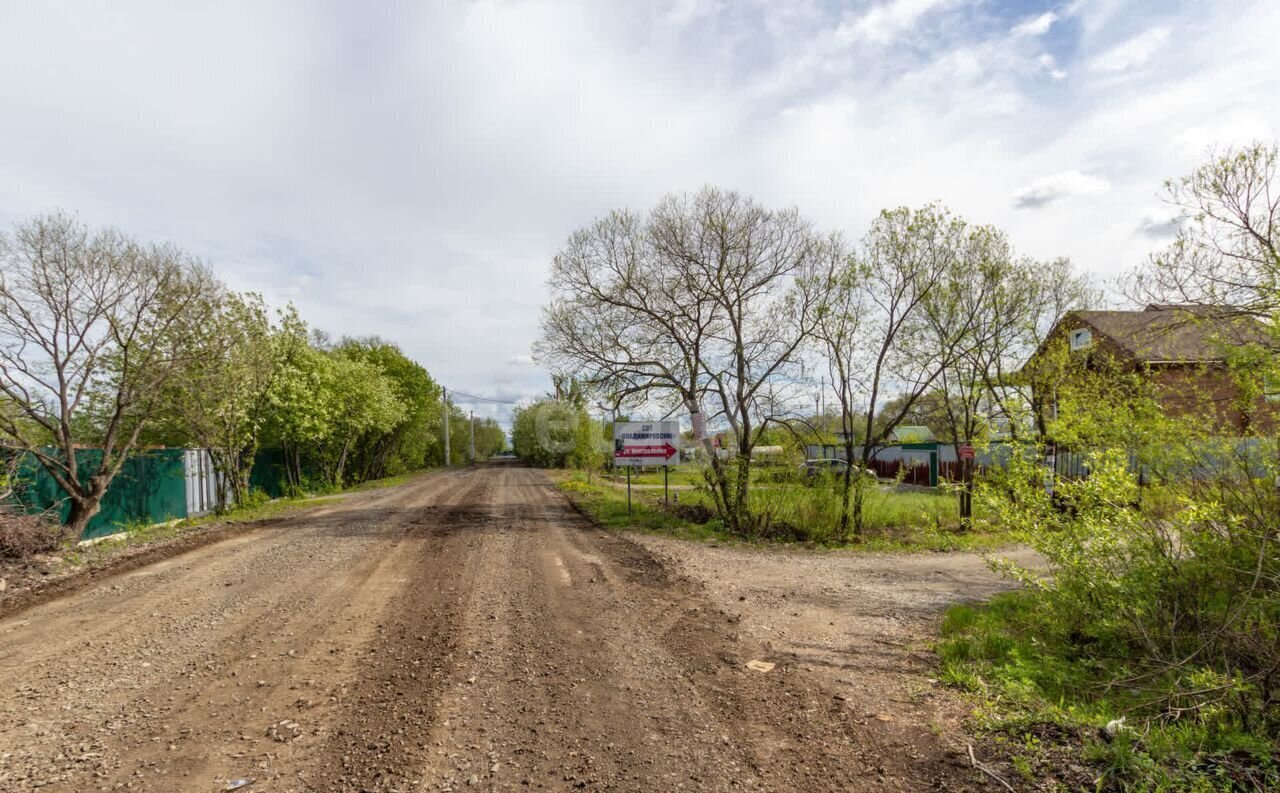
column 1165, row 610
column 253, row 499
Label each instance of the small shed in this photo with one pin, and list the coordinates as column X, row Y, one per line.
column 919, row 450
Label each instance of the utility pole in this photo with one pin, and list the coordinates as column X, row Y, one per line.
column 473, row 436
column 446, row 428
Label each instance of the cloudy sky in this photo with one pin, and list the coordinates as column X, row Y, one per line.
column 408, row 169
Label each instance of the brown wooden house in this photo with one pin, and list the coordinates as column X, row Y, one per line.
column 1183, row 350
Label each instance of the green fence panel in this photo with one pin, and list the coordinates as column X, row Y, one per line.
column 151, row 486
column 268, row 473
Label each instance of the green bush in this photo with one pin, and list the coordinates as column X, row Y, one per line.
column 1160, row 607
column 253, row 499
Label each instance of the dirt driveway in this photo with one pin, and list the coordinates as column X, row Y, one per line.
column 470, row 631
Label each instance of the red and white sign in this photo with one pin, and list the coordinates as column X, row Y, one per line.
column 965, row 452
column 646, row 442
column 664, row 451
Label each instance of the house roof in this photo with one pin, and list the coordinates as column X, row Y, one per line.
column 1176, row 333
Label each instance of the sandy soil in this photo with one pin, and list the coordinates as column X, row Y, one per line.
column 470, row 631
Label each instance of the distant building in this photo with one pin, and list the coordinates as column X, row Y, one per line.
column 1181, row 349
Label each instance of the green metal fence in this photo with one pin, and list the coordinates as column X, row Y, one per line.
column 151, row 486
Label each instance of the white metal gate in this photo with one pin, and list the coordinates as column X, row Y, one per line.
column 201, row 481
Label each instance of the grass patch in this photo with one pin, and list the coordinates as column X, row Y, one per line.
column 681, row 475
column 1047, row 703
column 607, row 505
column 897, row 519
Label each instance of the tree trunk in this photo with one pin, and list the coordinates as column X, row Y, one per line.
column 244, row 471
column 844, row 496
column 859, row 495
column 858, row 526
column 740, row 487
column 83, row 508
column 342, row 462
column 222, row 472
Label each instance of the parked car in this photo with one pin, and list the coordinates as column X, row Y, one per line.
column 832, row 466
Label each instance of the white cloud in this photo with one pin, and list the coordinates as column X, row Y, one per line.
column 1035, row 26
column 885, row 22
column 1132, row 53
column 1054, row 187
column 1049, row 65
column 411, row 170
column 1160, row 223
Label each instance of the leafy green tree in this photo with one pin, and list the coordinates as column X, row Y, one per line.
column 93, row 325
column 408, row 445
column 219, row 399
column 491, row 439
column 365, row 403
column 557, row 434
column 301, row 410
column 1164, row 581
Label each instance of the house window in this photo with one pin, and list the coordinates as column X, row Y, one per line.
column 1081, row 339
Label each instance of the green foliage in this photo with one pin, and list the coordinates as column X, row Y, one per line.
column 1026, row 665
column 557, row 434
column 219, row 398
column 359, row 411
column 413, row 440
column 790, row 512
column 1161, row 597
column 608, row 506
column 491, row 438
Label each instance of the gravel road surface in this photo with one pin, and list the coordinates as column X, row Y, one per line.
column 465, row 631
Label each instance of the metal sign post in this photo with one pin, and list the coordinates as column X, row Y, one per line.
column 965, row 453
column 645, row 443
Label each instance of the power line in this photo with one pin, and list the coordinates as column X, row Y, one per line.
column 474, row 398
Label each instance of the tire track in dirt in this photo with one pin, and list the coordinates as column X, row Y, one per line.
column 110, row 678
column 377, row 742
column 468, row 632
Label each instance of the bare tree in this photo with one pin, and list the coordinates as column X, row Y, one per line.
column 92, row 324
column 703, row 305
column 1009, row 304
column 890, row 329
column 839, row 333
column 1227, row 250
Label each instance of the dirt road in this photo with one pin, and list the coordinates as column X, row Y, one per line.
column 466, row 631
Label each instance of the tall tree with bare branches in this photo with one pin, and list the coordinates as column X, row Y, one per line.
column 891, row 324
column 1227, row 250
column 702, row 304
column 92, row 326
